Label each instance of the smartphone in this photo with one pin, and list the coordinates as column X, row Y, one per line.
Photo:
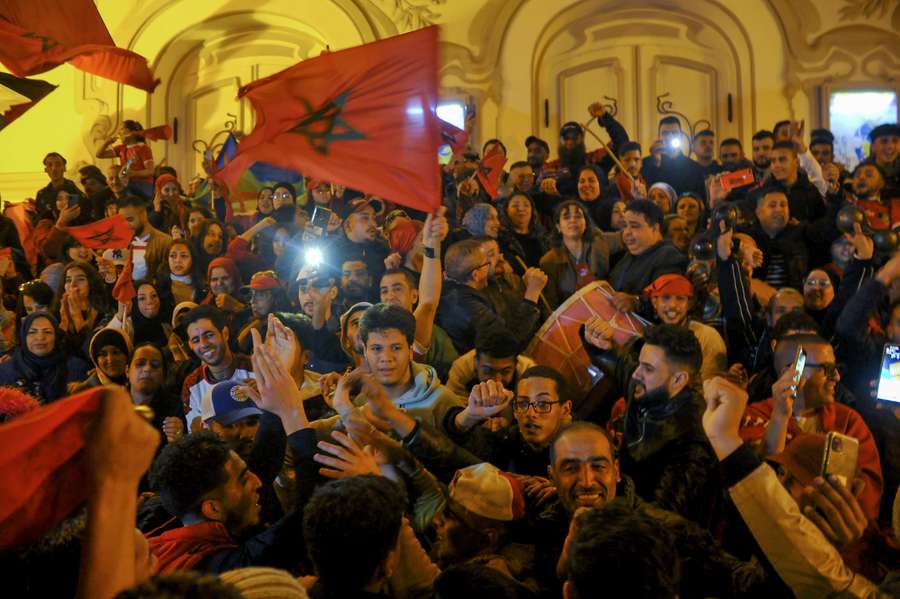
column 889, row 380
column 841, row 455
column 73, row 200
column 798, row 366
column 736, row 179
column 320, row 217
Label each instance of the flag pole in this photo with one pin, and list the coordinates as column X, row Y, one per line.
column 607, row 148
column 543, row 299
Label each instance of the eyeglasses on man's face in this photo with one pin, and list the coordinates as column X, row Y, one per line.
column 541, row 406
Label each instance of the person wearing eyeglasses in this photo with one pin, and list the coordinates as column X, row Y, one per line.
column 809, row 407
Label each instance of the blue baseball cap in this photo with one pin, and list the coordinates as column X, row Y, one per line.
column 227, row 402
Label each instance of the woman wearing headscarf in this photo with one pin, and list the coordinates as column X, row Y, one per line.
column 168, row 209
column 40, row 365
column 664, row 196
column 483, row 220
column 110, row 350
column 151, row 313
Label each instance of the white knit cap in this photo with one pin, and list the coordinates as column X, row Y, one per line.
column 265, row 583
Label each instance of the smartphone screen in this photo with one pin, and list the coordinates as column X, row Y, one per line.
column 320, row 217
column 889, row 381
column 799, row 365
column 73, row 200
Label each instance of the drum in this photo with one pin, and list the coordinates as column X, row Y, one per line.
column 558, row 344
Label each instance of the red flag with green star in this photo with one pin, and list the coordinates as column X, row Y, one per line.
column 37, row 35
column 362, row 117
column 112, row 232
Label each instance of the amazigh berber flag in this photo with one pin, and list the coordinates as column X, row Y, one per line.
column 17, row 95
column 108, row 233
column 37, row 35
column 362, row 117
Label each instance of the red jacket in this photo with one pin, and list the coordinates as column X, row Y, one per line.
column 185, row 547
column 835, row 417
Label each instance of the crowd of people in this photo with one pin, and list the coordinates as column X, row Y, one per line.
column 336, row 396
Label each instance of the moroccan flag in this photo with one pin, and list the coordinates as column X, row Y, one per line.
column 124, row 291
column 42, row 469
column 20, row 214
column 362, row 117
column 108, row 233
column 453, row 137
column 155, row 133
column 37, row 35
column 18, row 95
column 490, row 169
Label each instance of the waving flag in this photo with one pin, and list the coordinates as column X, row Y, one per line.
column 490, row 169
column 156, row 133
column 21, row 214
column 124, row 291
column 362, row 117
column 42, row 467
column 18, row 95
column 108, row 233
column 454, row 137
column 37, row 35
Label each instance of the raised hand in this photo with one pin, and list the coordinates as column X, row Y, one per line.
column 725, row 403
column 624, row 302
column 486, row 400
column 597, row 110
column 67, row 215
column 784, row 393
column 535, row 280
column 599, row 333
column 281, row 342
column 436, row 228
column 835, row 510
column 277, row 391
column 724, row 241
column 548, row 186
column 863, row 246
column 118, row 426
column 345, row 459
column 393, row 261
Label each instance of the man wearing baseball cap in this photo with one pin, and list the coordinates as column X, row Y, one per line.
column 672, row 297
column 560, row 176
column 360, row 236
column 538, row 152
column 256, row 436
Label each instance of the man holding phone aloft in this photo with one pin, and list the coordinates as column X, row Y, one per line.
column 809, row 407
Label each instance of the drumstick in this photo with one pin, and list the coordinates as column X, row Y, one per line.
column 543, row 299
column 608, row 150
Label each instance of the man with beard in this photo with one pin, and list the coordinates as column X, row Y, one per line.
column 763, row 140
column 663, row 446
column 207, row 334
column 704, row 148
column 672, row 166
column 810, row 407
column 868, row 185
column 361, row 238
column 671, row 296
column 215, row 495
column 356, row 281
column 560, row 176
column 150, row 246
column 885, row 152
column 731, row 155
column 538, row 153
